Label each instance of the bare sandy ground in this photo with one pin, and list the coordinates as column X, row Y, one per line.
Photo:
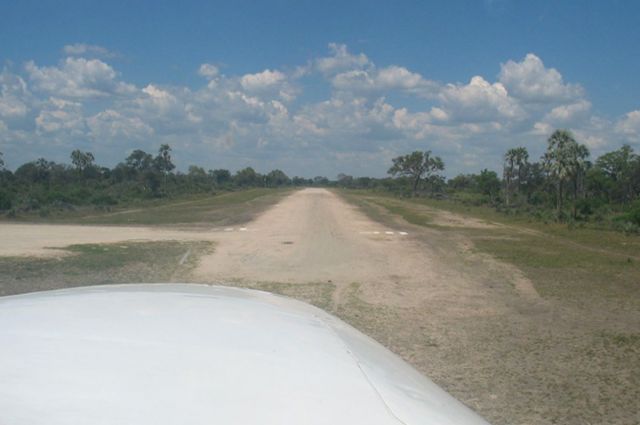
column 310, row 236
column 45, row 240
column 315, row 236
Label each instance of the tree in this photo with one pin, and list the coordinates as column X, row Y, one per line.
column 197, row 172
column 488, row 183
column 38, row 171
column 320, row 181
column 277, row 178
column 416, row 165
column 1, row 162
column 618, row 166
column 247, row 177
column 301, row 181
column 515, row 161
column 81, row 160
column 580, row 165
column 507, row 174
column 565, row 160
column 220, row 176
column 162, row 161
column 139, row 160
column 534, row 181
column 521, row 160
column 345, row 180
column 462, row 182
column 198, row 177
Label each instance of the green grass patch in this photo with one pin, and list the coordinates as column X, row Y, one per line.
column 93, row 264
column 208, row 209
column 376, row 207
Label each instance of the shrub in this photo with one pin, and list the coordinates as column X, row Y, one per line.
column 634, row 213
column 6, row 201
column 102, row 199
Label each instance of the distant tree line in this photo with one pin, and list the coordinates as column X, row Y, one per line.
column 43, row 185
column 563, row 185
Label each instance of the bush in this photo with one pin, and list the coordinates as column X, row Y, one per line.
column 102, row 199
column 29, row 204
column 80, row 195
column 587, row 207
column 634, row 213
column 56, row 197
column 621, row 224
column 6, row 201
column 539, row 198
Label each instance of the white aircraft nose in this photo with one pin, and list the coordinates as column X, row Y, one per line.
column 196, row 354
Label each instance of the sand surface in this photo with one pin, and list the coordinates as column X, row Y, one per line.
column 46, row 240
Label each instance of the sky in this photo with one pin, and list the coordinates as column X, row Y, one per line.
column 316, row 87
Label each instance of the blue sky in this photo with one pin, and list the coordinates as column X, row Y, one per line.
column 316, row 88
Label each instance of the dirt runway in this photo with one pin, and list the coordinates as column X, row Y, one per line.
column 314, row 236
column 422, row 292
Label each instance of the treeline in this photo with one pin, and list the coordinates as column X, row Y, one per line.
column 42, row 185
column 563, row 185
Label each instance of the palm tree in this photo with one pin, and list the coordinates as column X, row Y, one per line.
column 521, row 158
column 579, row 155
column 508, row 172
column 514, row 158
column 565, row 161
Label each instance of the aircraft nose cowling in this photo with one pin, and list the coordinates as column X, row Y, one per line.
column 196, row 354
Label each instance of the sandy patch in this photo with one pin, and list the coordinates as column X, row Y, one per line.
column 315, row 236
column 46, row 240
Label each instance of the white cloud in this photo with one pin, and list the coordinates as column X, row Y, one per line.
column 542, row 129
column 112, row 125
column 61, row 116
column 399, row 77
column 480, row 101
column 340, row 60
column 384, row 79
column 530, row 81
column 369, row 111
column 262, row 80
column 82, row 49
column 564, row 114
column 208, row 71
column 269, row 84
column 14, row 96
column 77, row 78
column 157, row 98
column 223, row 142
column 629, row 125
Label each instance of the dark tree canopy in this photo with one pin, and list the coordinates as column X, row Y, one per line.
column 139, row 160
column 81, row 160
column 416, row 165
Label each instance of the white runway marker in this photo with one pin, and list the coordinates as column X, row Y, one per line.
column 376, row 233
column 403, row 233
column 243, row 229
column 388, row 233
column 229, row 229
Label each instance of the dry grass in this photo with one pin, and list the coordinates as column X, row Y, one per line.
column 573, row 357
